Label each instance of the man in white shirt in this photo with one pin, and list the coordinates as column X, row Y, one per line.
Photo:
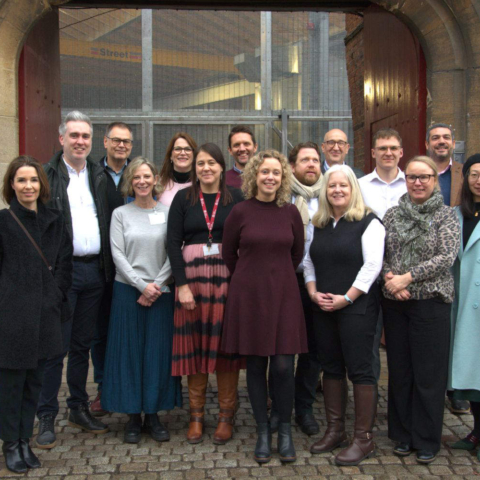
column 79, row 189
column 305, row 162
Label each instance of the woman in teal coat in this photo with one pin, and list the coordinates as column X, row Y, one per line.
column 464, row 365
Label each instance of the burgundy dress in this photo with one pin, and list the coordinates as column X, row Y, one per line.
column 262, row 247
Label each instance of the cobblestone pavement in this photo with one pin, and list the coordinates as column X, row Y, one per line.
column 84, row 456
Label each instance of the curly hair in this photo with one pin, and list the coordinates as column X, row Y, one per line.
column 127, row 189
column 249, row 187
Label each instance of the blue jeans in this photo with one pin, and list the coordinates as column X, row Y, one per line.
column 85, row 297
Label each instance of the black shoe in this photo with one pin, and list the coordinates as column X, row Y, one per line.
column 263, row 449
column 402, row 449
column 133, row 429
column 30, row 458
column 459, row 406
column 82, row 418
column 13, row 457
column 307, row 423
column 286, row 449
column 424, row 456
column 158, row 431
column 274, row 421
column 46, row 438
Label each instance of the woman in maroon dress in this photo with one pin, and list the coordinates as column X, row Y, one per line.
column 263, row 241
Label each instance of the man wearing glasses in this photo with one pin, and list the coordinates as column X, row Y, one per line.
column 335, row 147
column 118, row 142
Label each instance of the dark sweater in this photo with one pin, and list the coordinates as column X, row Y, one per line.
column 186, row 223
column 233, row 178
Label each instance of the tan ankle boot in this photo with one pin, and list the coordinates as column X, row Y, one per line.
column 227, row 399
column 197, row 388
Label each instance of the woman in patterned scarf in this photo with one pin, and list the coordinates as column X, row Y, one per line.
column 422, row 241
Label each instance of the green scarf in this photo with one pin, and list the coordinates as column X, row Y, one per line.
column 412, row 223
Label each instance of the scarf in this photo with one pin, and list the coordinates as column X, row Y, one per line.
column 412, row 223
column 303, row 194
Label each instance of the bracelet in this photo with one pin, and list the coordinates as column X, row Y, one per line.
column 311, row 296
column 348, row 299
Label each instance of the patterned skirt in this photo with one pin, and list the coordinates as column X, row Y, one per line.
column 197, row 333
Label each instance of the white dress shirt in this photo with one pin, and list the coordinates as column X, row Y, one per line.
column 380, row 195
column 312, row 210
column 86, row 231
column 373, row 244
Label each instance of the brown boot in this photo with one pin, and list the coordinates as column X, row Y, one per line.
column 197, row 388
column 365, row 410
column 335, row 394
column 227, row 399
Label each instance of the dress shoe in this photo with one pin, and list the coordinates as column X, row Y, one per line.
column 274, row 420
column 133, row 429
column 470, row 442
column 46, row 438
column 96, row 406
column 424, row 456
column 13, row 457
column 307, row 423
column 158, row 431
column 459, row 407
column 286, row 449
column 263, row 448
column 81, row 417
column 402, row 449
column 30, row 458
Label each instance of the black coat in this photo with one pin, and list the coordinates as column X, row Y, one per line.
column 31, row 298
column 58, row 179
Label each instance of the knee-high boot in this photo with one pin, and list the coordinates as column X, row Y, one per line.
column 197, row 389
column 227, row 400
column 365, row 410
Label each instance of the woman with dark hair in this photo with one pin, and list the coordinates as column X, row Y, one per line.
column 195, row 230
column 139, row 350
column 176, row 171
column 36, row 274
column 464, row 366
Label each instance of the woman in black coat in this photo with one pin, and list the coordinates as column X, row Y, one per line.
column 32, row 297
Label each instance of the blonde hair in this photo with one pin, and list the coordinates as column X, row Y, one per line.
column 430, row 163
column 356, row 209
column 127, row 189
column 249, row 186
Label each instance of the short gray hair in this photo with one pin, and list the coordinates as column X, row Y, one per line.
column 74, row 116
column 438, row 125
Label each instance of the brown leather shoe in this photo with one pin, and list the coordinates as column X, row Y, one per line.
column 365, row 410
column 197, row 388
column 335, row 394
column 227, row 399
column 195, row 428
column 96, row 406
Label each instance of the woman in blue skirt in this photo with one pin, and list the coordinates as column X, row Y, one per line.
column 139, row 352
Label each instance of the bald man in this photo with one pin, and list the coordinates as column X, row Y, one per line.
column 335, row 147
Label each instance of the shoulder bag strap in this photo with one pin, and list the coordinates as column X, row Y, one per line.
column 37, row 248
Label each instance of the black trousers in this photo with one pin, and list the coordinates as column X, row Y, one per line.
column 19, row 392
column 345, row 343
column 417, row 334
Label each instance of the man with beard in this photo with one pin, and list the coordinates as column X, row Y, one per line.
column 440, row 143
column 242, row 147
column 305, row 162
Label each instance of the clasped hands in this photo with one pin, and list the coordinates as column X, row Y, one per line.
column 150, row 294
column 397, row 285
column 329, row 302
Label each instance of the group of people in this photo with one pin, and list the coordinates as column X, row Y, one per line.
column 179, row 272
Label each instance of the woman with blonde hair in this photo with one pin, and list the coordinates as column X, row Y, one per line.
column 263, row 243
column 341, row 267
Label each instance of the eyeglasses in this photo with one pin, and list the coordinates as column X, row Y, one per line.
column 184, row 149
column 332, row 143
column 473, row 176
column 393, row 148
column 117, row 141
column 423, row 178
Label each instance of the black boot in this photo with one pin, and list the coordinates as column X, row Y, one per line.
column 157, row 430
column 13, row 457
column 133, row 429
column 30, row 458
column 263, row 449
column 286, row 449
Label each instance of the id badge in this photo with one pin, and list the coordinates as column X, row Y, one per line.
column 213, row 250
column 156, row 218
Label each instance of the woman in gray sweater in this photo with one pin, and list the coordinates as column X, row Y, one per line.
column 139, row 351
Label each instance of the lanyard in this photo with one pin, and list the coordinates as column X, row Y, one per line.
column 207, row 218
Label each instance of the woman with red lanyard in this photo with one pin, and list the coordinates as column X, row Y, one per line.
column 195, row 222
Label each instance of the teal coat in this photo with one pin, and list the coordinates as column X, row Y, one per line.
column 465, row 344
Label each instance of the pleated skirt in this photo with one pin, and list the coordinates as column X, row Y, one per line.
column 197, row 333
column 138, row 360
